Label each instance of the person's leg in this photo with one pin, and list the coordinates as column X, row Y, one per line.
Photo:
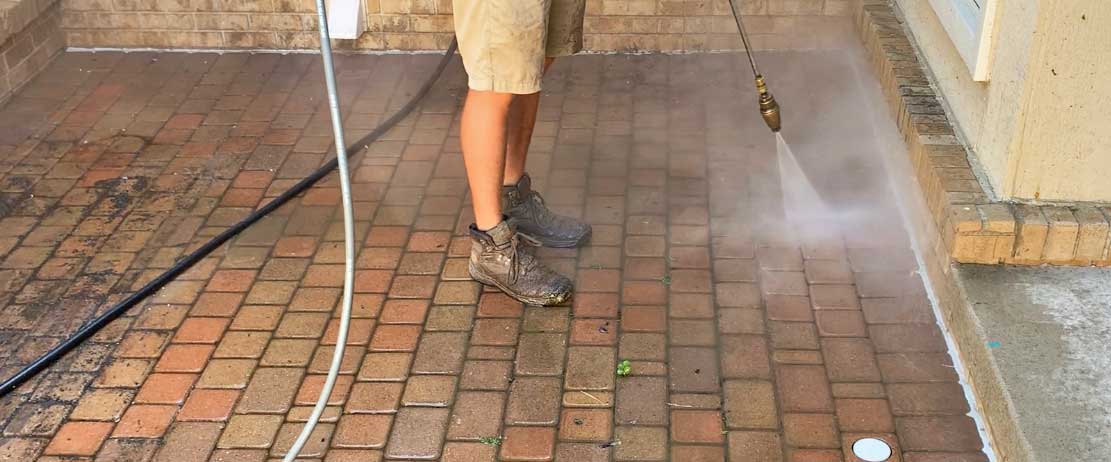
column 496, row 257
column 502, row 45
column 521, row 203
column 524, row 207
column 522, row 121
column 483, row 138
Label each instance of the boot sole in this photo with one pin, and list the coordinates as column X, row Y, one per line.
column 561, row 243
column 533, row 301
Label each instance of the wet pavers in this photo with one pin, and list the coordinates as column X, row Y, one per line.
column 746, row 339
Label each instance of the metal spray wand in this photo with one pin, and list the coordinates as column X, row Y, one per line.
column 769, row 109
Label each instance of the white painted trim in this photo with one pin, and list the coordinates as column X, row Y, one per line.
column 346, row 19
column 970, row 25
column 314, row 51
column 981, row 72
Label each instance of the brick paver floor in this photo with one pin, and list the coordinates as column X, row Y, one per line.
column 747, row 340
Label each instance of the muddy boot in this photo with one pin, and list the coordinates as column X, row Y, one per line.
column 499, row 259
column 531, row 217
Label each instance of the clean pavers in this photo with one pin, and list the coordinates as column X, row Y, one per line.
column 700, row 329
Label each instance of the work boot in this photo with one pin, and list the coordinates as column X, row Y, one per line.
column 498, row 258
column 531, row 217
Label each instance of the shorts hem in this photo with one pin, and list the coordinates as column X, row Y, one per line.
column 498, row 87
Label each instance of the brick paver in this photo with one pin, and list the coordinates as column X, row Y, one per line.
column 748, row 340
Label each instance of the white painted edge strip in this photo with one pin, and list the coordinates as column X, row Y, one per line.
column 906, row 200
column 221, row 51
column 280, row 51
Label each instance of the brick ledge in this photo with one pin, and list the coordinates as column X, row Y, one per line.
column 14, row 16
column 974, row 229
column 28, row 51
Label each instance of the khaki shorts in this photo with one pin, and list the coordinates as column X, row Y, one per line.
column 504, row 42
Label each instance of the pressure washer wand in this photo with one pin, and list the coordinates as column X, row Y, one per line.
column 769, row 109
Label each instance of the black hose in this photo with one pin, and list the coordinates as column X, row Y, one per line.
column 89, row 329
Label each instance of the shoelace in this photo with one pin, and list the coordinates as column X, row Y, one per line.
column 514, row 255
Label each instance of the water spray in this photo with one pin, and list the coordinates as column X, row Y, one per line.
column 769, row 108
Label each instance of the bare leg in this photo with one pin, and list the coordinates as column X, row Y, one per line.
column 483, row 137
column 522, row 120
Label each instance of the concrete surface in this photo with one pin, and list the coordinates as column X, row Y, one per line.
column 1049, row 330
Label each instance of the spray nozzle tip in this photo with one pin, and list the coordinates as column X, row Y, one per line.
column 769, row 110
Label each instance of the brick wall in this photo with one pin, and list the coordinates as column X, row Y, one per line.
column 973, row 228
column 29, row 37
column 611, row 25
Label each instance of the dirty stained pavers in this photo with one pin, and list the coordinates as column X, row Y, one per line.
column 738, row 338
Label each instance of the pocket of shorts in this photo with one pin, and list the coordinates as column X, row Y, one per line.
column 517, row 21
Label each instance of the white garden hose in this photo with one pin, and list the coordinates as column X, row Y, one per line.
column 348, row 237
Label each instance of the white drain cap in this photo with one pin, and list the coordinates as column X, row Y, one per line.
column 872, row 450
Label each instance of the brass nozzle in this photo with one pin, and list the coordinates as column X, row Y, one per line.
column 769, row 109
